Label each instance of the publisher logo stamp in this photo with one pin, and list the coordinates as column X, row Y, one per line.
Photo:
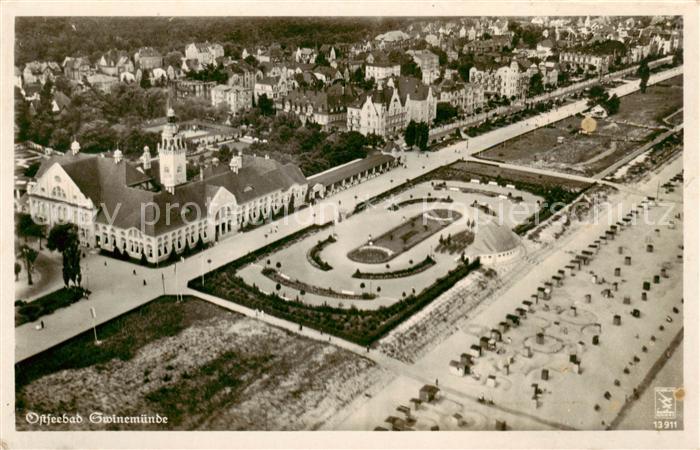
column 665, row 403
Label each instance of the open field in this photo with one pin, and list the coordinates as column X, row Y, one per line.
column 655, row 104
column 201, row 366
column 561, row 147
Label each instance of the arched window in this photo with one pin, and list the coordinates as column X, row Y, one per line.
column 57, row 191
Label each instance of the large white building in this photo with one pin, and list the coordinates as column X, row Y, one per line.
column 506, row 81
column 204, row 53
column 388, row 110
column 382, row 70
column 236, row 98
column 150, row 210
column 429, row 64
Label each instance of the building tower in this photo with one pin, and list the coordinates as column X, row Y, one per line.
column 172, row 155
column 236, row 162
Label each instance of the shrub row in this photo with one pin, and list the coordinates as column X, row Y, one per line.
column 420, row 267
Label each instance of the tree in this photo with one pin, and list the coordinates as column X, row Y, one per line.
column 266, row 106
column 145, row 82
column 422, row 135
column 26, row 227
column 678, row 57
column 411, row 69
column 250, row 59
column 28, row 255
column 321, row 60
column 64, row 238
column 444, row 112
column 224, row 154
column 172, row 59
column 18, row 270
column 410, row 134
column 612, row 106
column 536, row 86
column 644, row 73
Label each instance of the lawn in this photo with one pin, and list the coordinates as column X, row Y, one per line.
column 203, row 367
column 402, row 238
column 30, row 311
column 559, row 146
column 659, row 101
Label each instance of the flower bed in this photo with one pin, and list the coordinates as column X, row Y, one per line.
column 305, row 287
column 314, row 256
column 418, row 268
column 404, row 237
column 363, row 327
column 30, row 311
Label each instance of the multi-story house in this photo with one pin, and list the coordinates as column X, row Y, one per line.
column 466, row 97
column 243, row 74
column 429, row 64
column 40, row 72
column 381, row 70
column 204, row 53
column 387, row 110
column 115, row 62
column 193, row 88
column 148, row 58
column 506, row 81
column 77, row 69
column 326, row 108
column 274, row 88
column 236, row 98
column 493, row 45
column 587, row 62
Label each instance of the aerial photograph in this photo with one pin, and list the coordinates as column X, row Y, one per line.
column 378, row 223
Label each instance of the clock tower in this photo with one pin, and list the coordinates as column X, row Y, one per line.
column 172, row 155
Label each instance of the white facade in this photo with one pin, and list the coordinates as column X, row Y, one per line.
column 382, row 71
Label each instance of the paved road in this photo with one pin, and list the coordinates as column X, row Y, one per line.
column 116, row 290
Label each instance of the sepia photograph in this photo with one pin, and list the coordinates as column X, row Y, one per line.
column 349, row 218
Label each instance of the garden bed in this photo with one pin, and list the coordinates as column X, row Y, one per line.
column 413, row 201
column 303, row 287
column 30, row 311
column 363, row 327
column 314, row 256
column 403, row 237
column 427, row 263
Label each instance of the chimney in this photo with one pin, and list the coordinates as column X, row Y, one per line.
column 117, row 156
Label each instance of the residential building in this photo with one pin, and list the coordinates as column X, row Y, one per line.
column 327, row 108
column 506, row 81
column 466, row 97
column 193, row 88
column 236, row 98
column 428, row 62
column 243, row 74
column 77, row 69
column 275, row 88
column 103, row 83
column 495, row 44
column 148, row 58
column 586, row 62
column 381, row 70
column 40, row 72
column 204, row 53
column 114, row 62
column 387, row 110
